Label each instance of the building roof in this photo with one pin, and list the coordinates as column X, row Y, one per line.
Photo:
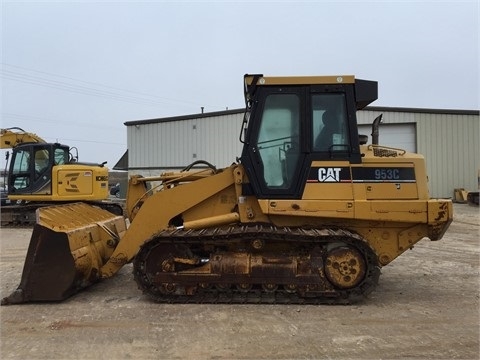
column 238, row 111
column 184, row 117
column 122, row 164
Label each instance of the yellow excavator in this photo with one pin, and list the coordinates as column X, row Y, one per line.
column 308, row 214
column 42, row 174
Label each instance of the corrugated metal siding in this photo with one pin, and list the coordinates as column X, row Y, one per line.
column 217, row 139
column 177, row 144
column 400, row 136
column 367, row 117
column 449, row 142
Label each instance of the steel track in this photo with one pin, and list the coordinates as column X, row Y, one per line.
column 257, row 295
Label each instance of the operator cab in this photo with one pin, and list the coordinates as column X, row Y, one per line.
column 292, row 121
column 31, row 167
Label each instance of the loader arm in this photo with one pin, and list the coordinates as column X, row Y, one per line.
column 139, row 187
column 157, row 211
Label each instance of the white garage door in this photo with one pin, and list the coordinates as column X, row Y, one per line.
column 401, row 136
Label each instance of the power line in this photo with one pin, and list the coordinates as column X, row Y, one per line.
column 89, row 141
column 99, row 84
column 90, row 88
column 25, row 117
column 78, row 89
column 62, row 123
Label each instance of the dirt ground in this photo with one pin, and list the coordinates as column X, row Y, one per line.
column 425, row 307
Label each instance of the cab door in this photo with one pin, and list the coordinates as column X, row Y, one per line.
column 274, row 152
column 30, row 170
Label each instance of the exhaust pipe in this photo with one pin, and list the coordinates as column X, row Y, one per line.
column 375, row 126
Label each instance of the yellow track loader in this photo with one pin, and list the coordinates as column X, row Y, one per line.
column 308, row 214
column 42, row 174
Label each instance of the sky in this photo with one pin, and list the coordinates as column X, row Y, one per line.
column 75, row 71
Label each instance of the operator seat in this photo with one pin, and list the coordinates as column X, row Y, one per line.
column 324, row 140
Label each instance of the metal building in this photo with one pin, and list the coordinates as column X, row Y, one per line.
column 449, row 140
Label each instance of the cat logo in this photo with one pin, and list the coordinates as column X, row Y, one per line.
column 329, row 174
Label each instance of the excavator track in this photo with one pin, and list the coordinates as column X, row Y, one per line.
column 18, row 215
column 257, row 264
column 24, row 215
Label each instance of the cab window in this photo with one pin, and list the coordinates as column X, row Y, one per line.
column 60, row 156
column 42, row 160
column 330, row 129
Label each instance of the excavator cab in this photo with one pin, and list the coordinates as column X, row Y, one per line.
column 31, row 167
column 48, row 172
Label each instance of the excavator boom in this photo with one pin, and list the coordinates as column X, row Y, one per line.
column 11, row 137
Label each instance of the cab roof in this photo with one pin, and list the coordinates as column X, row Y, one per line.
column 366, row 91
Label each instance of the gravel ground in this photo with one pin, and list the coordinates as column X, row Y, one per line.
column 425, row 307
